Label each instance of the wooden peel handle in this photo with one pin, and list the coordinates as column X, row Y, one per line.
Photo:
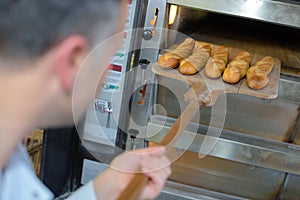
column 139, row 181
column 133, row 190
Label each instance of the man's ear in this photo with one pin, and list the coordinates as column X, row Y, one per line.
column 69, row 56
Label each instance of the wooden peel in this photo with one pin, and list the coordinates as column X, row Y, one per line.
column 199, row 95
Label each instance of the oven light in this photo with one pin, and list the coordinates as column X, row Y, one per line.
column 172, row 14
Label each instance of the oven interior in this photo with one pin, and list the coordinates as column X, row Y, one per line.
column 257, row 155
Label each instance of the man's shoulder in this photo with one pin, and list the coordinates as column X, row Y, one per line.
column 20, row 176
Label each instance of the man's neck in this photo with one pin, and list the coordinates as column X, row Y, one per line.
column 9, row 140
column 18, row 106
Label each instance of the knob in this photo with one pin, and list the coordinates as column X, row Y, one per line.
column 147, row 34
column 133, row 133
column 144, row 63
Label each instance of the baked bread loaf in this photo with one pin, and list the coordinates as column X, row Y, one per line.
column 257, row 75
column 216, row 64
column 173, row 58
column 197, row 60
column 237, row 68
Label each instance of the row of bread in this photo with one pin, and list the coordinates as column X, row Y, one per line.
column 191, row 56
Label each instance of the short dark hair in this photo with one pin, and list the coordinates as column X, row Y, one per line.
column 31, row 27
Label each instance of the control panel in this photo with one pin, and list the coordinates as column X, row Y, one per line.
column 101, row 121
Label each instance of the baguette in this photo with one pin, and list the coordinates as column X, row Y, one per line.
column 237, row 68
column 216, row 64
column 197, row 60
column 257, row 75
column 173, row 58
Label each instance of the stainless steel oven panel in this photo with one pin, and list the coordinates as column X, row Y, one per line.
column 174, row 191
column 289, row 89
column 149, row 50
column 282, row 12
column 235, row 146
column 290, row 189
column 227, row 177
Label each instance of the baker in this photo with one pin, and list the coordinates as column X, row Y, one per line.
column 42, row 46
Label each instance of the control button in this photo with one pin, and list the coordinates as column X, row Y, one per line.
column 105, row 86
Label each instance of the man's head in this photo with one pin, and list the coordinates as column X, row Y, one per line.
column 42, row 45
column 31, row 27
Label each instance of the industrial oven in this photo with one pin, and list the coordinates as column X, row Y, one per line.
column 257, row 153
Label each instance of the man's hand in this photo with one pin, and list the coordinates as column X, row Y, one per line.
column 151, row 161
